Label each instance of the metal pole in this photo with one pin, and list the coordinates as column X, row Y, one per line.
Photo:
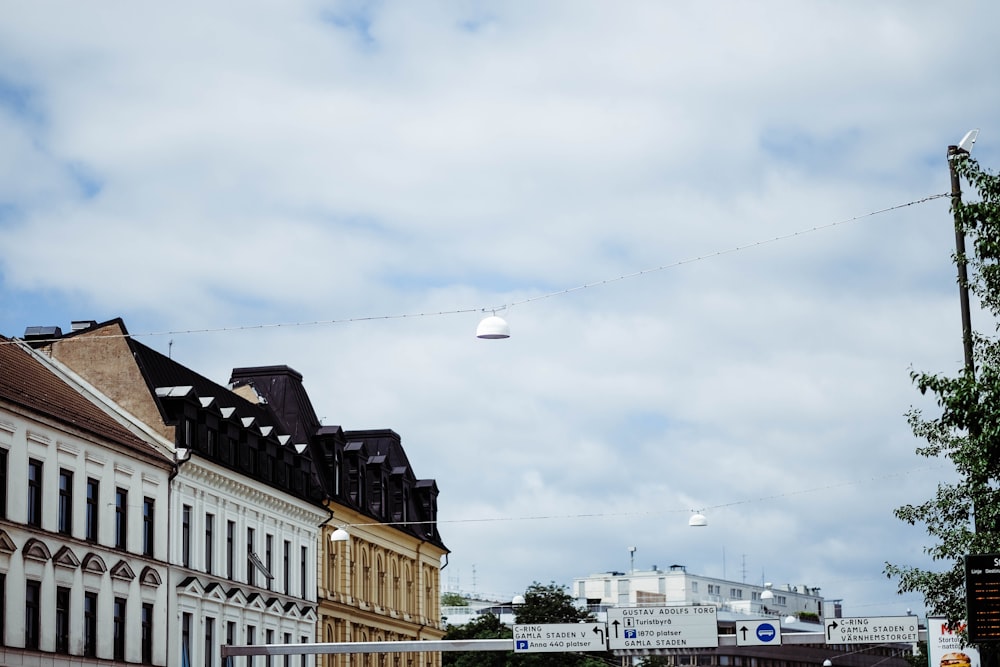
column 954, row 153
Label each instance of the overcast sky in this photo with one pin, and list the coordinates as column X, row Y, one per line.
column 207, row 170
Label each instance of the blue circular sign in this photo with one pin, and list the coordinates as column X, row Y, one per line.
column 766, row 632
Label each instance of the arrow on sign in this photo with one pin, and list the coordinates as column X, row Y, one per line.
column 832, row 626
column 616, row 628
column 599, row 631
column 744, row 630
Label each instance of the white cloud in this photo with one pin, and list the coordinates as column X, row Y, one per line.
column 193, row 167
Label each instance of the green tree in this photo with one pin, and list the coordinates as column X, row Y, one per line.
column 453, row 600
column 487, row 626
column 550, row 603
column 963, row 517
column 542, row 604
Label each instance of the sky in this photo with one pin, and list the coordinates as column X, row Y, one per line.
column 716, row 229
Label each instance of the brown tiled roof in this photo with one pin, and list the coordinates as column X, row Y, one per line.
column 25, row 382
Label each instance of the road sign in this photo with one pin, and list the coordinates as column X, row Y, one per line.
column 758, row 632
column 663, row 627
column 550, row 637
column 871, row 630
column 982, row 597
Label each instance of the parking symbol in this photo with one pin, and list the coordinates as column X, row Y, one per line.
column 630, row 633
column 522, row 644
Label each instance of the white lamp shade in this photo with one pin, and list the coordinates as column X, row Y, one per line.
column 493, row 327
column 518, row 599
column 340, row 535
column 698, row 519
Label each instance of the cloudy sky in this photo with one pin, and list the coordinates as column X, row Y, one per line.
column 747, row 192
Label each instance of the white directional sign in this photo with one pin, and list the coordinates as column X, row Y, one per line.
column 549, row 637
column 871, row 630
column 758, row 632
column 663, row 627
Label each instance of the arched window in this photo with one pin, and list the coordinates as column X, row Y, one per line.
column 380, row 580
column 394, row 601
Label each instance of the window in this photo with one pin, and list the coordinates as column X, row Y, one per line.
column 694, row 586
column 736, row 593
column 146, row 621
column 119, row 628
column 186, row 638
column 230, row 548
column 288, row 640
column 32, row 618
column 148, row 507
column 209, row 641
column 251, row 639
column 209, row 541
column 251, row 569
column 269, row 639
column 65, row 501
column 3, row 483
column 121, row 518
column 186, row 536
column 93, row 503
column 303, row 569
column 268, row 556
column 62, row 620
column 3, row 606
column 286, row 557
column 35, row 493
column 230, row 639
column 90, row 624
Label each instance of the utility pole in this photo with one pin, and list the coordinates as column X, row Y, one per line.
column 955, row 153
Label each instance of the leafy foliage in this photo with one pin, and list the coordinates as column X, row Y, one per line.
column 453, row 600
column 963, row 517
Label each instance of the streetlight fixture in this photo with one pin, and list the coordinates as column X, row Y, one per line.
column 340, row 535
column 955, row 153
column 698, row 520
column 493, row 327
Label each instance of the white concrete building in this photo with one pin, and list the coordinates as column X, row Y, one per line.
column 83, row 526
column 677, row 586
column 244, row 505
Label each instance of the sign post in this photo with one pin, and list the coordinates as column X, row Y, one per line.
column 663, row 627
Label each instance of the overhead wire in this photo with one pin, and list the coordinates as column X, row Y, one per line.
column 605, row 515
column 505, row 306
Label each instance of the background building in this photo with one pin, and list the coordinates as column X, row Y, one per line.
column 256, row 488
column 380, row 580
column 676, row 586
column 83, row 525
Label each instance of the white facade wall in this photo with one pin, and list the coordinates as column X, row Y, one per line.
column 217, row 605
column 55, row 560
